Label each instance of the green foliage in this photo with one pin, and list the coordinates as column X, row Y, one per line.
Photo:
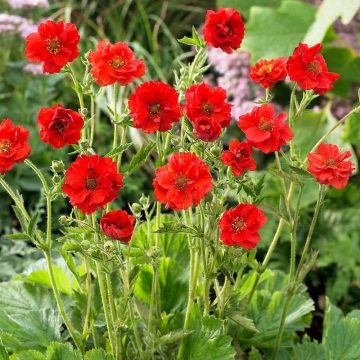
column 97, row 354
column 29, row 355
column 244, row 6
column 31, row 331
column 209, row 343
column 57, row 351
column 272, row 32
column 327, row 13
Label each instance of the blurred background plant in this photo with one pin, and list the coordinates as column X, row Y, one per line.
column 151, row 27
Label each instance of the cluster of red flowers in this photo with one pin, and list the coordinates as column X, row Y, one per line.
column 92, row 181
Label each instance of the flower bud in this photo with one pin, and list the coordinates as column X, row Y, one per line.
column 85, row 244
column 109, row 246
column 144, row 200
column 84, row 144
column 216, row 150
column 62, row 219
column 83, row 111
column 56, row 179
column 136, row 208
column 175, row 140
column 57, row 166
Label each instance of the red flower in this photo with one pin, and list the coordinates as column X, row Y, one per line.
column 59, row 126
column 183, row 182
column 240, row 226
column 310, row 70
column 55, row 45
column 224, row 29
column 206, row 129
column 91, row 182
column 115, row 63
column 263, row 130
column 14, row 147
column 118, row 225
column 154, row 107
column 268, row 72
column 238, row 157
column 328, row 166
column 203, row 100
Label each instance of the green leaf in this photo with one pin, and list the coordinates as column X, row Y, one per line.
column 33, row 330
column 171, row 337
column 173, row 285
column 241, row 320
column 20, row 217
column 3, row 353
column 57, row 351
column 244, row 6
column 98, row 354
column 32, row 224
column 19, row 298
column 188, row 41
column 352, row 129
column 347, row 64
column 355, row 314
column 118, row 150
column 308, row 350
column 30, row 355
column 343, row 340
column 18, row 236
column 332, row 316
column 300, row 171
column 210, row 343
column 140, row 158
column 271, row 33
column 326, row 15
column 61, row 278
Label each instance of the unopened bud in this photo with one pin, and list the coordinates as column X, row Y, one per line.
column 109, row 246
column 144, row 200
column 85, row 244
column 57, row 166
column 56, row 179
column 216, row 150
column 136, row 208
column 198, row 78
column 83, row 111
column 63, row 219
column 84, row 144
column 175, row 140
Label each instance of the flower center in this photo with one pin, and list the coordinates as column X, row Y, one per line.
column 207, row 108
column 330, row 162
column 266, row 69
column 238, row 224
column 91, row 183
column 53, row 45
column 315, row 67
column 154, row 108
column 60, row 125
column 266, row 124
column 5, row 146
column 118, row 62
column 241, row 154
column 181, row 181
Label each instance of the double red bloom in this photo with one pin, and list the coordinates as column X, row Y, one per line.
column 183, row 182
column 240, row 226
column 59, row 126
column 309, row 69
column 268, row 72
column 115, row 64
column 118, row 225
column 91, row 182
column 329, row 167
column 238, row 157
column 204, row 100
column 264, row 130
column 206, row 129
column 55, row 45
column 224, row 29
column 154, row 107
column 14, row 147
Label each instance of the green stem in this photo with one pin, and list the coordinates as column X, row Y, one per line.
column 311, row 229
column 48, row 201
column 92, row 118
column 88, row 290
column 59, row 302
column 204, row 261
column 105, row 306
column 281, row 328
column 115, row 116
